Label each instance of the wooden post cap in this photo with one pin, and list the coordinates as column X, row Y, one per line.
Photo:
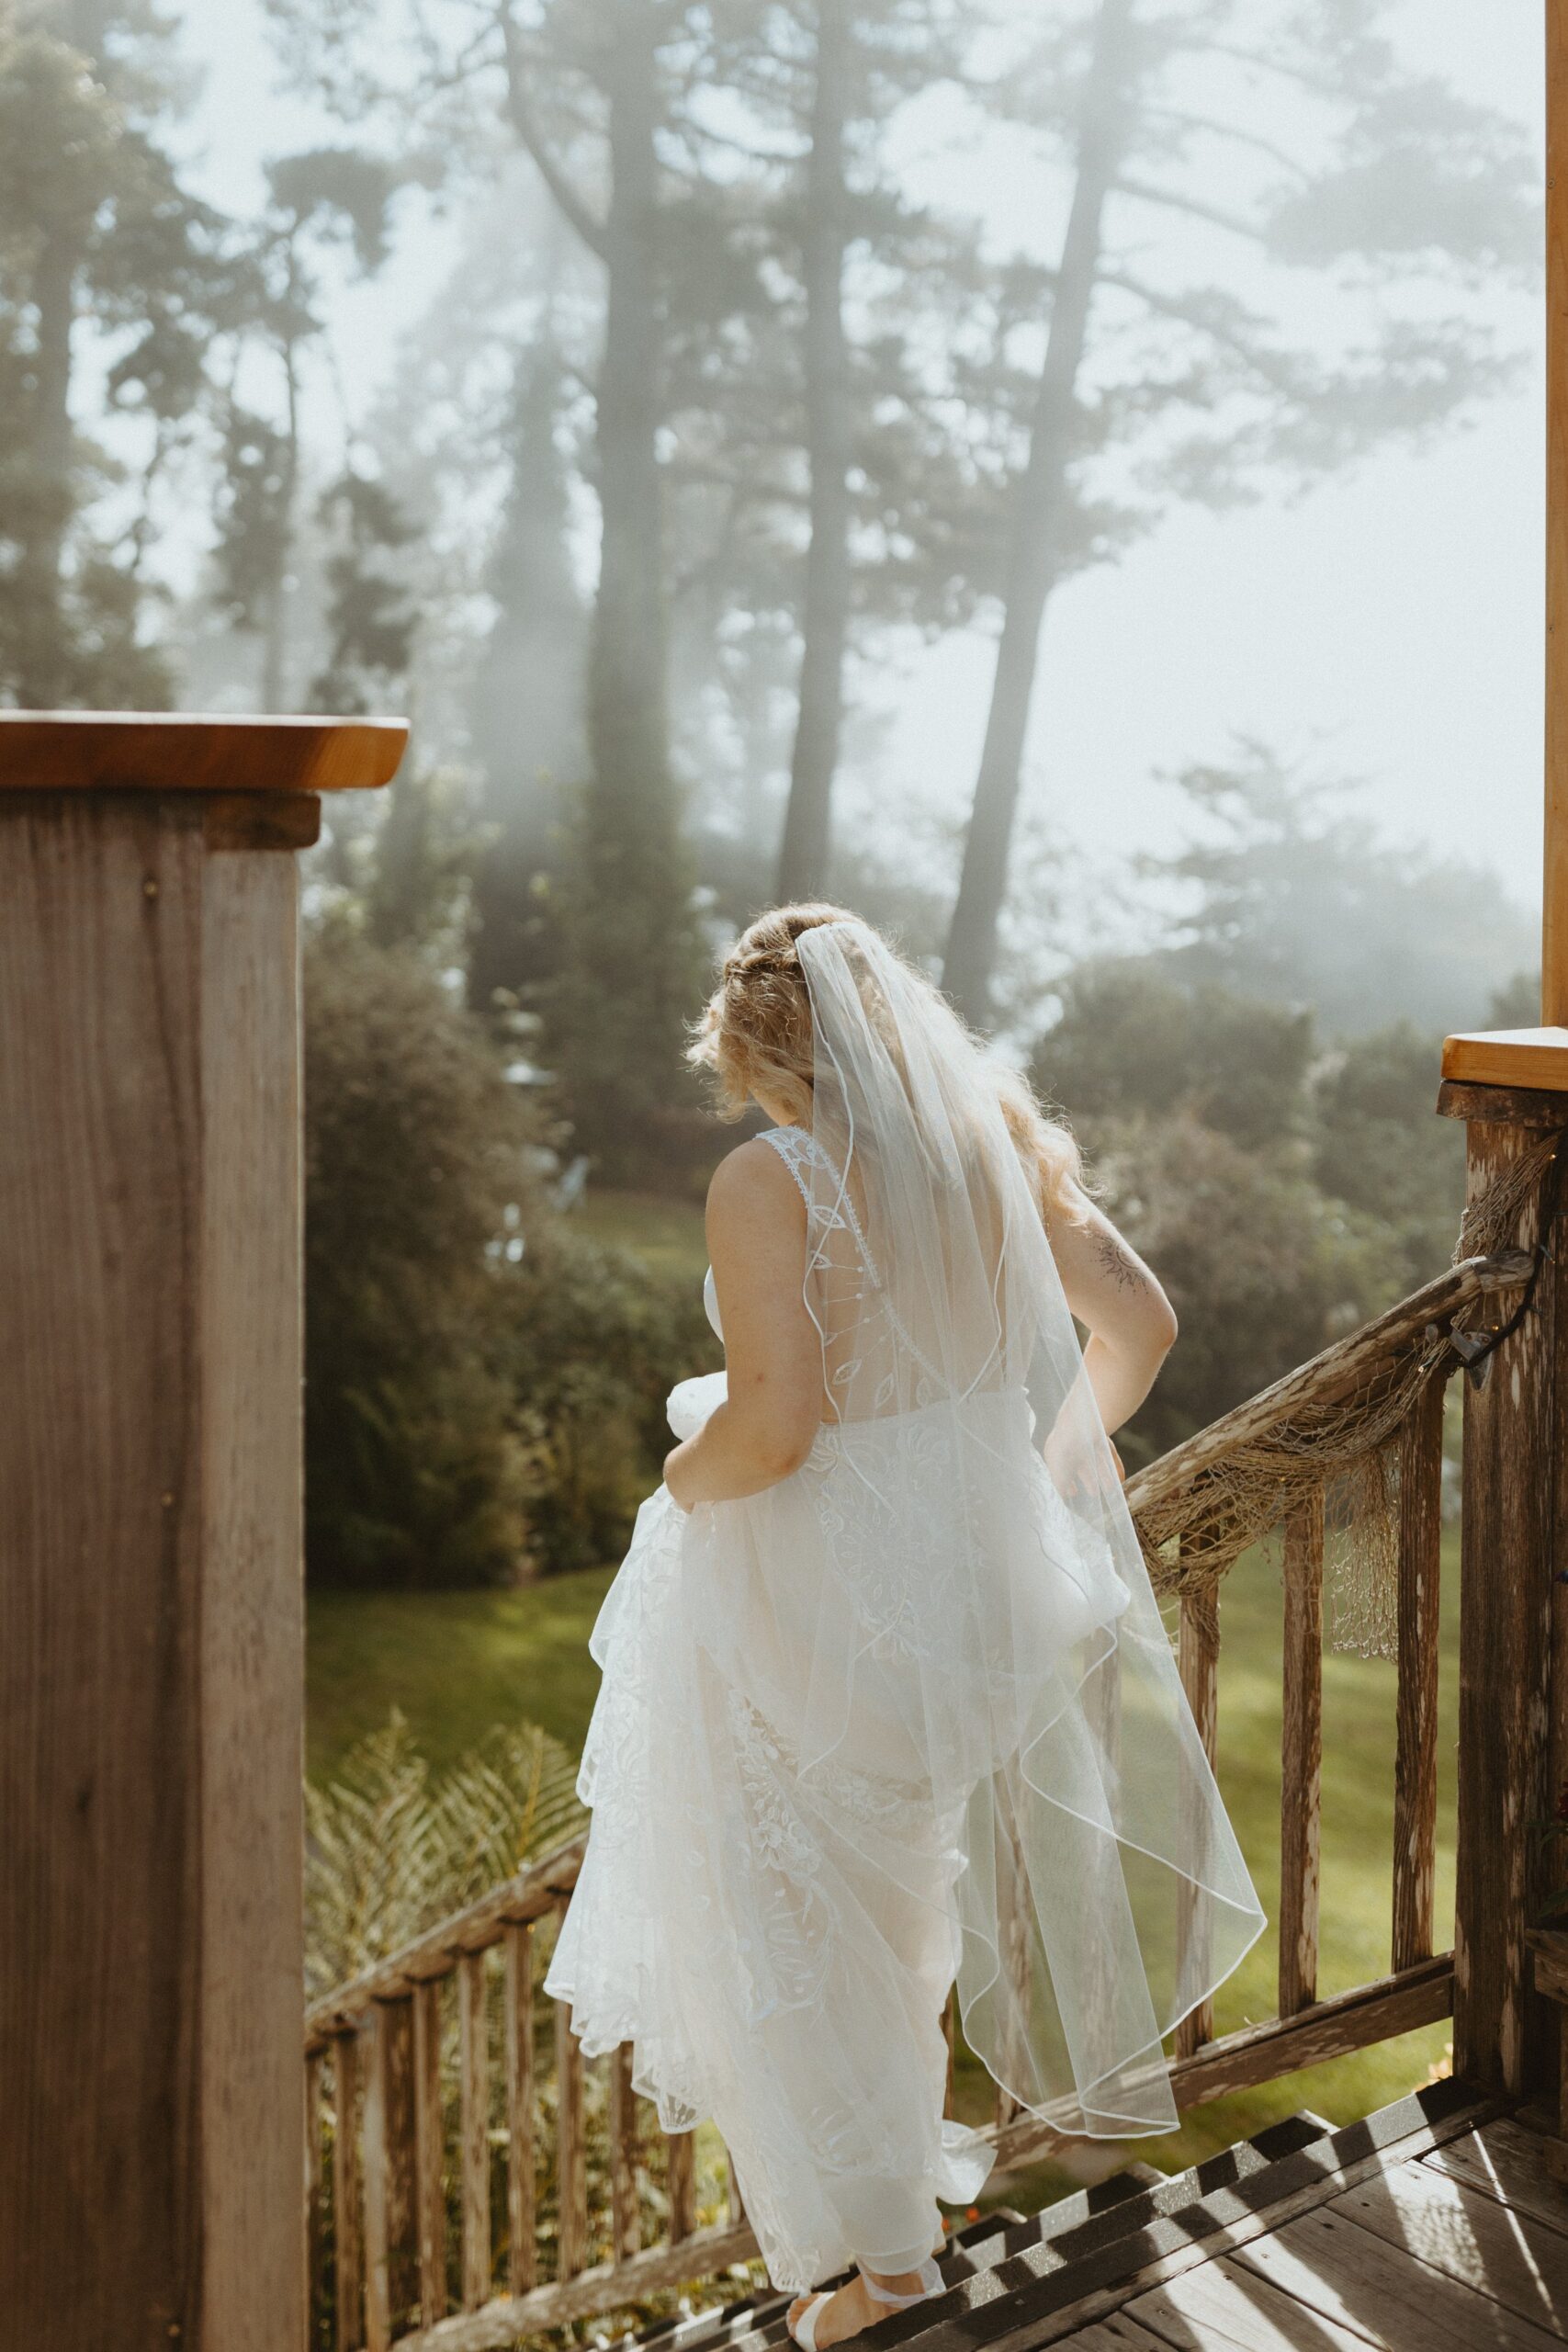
column 161, row 750
column 1537, row 1058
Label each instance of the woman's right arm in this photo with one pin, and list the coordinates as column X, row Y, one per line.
column 1131, row 1323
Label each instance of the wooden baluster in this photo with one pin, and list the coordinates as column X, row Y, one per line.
column 1198, row 1658
column 625, row 2234
column 1301, row 1780
column 349, row 2242
column 738, row 2203
column 430, row 2199
column 1015, row 1925
column 682, row 2178
column 390, row 2173
column 473, row 2069
column 949, row 2031
column 571, row 2156
column 315, row 2265
column 1420, row 1593
column 520, row 2223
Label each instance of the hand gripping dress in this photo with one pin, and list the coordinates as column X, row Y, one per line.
column 908, row 1718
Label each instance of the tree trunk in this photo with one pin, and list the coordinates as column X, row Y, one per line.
column 1037, row 509
column 527, row 711
column 274, row 625
column 802, row 856
column 634, row 925
column 41, row 678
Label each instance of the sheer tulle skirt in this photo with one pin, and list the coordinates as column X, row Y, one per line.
column 895, row 1723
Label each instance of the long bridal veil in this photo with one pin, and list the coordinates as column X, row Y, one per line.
column 907, row 1716
column 989, row 1627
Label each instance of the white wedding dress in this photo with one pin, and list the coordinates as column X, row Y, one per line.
column 908, row 1717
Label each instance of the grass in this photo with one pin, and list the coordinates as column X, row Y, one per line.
column 457, row 1663
column 668, row 1234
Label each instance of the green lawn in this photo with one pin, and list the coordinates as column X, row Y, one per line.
column 667, row 1233
column 457, row 1662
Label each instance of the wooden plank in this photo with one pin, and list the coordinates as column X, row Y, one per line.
column 1513, row 1106
column 607, row 2287
column 625, row 2231
column 1262, row 2053
column 430, row 2142
column 390, row 2175
column 1220, row 2308
column 1337, row 1372
column 1198, row 1657
column 348, row 2241
column 180, row 751
column 1300, row 1781
column 1348, row 2276
column 1519, row 2263
column 473, row 2079
column 680, row 2147
column 378, row 2305
column 315, row 2258
column 1504, row 2160
column 252, row 1617
column 240, row 820
column 521, row 2227
column 534, row 1891
column 1119, row 2334
column 1420, row 1612
column 1530, row 1058
column 571, row 2159
column 1046, row 2308
column 100, row 1572
column 1501, row 2029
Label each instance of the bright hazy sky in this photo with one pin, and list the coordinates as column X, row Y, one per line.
column 1389, row 624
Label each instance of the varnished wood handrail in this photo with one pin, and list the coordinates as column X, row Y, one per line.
column 162, row 751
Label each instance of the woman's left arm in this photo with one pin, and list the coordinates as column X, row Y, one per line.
column 756, row 1238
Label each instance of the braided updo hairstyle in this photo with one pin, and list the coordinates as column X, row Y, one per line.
column 755, row 1037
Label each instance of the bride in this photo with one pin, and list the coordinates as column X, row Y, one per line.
column 887, row 1704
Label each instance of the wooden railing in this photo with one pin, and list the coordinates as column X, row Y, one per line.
column 374, row 2046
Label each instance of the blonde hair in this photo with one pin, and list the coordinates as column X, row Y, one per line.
column 754, row 1037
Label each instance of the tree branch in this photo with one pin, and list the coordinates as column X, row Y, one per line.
column 1172, row 306
column 1276, row 154
column 1172, row 201
column 574, row 207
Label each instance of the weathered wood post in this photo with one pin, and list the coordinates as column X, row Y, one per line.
column 1511, row 1088
column 150, row 1587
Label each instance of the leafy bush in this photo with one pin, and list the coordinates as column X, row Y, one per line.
column 1262, row 1268
column 596, row 1344
column 414, row 1158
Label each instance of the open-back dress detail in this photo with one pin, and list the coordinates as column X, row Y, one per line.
column 909, row 1716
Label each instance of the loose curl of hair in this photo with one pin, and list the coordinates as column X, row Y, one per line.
column 754, row 1038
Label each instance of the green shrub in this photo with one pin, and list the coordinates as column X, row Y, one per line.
column 596, row 1344
column 415, row 1165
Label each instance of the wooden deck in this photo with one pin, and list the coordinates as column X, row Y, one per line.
column 1431, row 2226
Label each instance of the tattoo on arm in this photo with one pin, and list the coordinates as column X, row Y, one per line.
column 1115, row 1261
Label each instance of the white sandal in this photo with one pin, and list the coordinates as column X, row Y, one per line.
column 803, row 2330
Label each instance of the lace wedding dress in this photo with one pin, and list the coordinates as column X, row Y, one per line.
column 910, row 1717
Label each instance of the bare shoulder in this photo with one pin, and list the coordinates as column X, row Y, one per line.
column 752, row 1181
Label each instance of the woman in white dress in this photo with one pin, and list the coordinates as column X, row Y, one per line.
column 887, row 1703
